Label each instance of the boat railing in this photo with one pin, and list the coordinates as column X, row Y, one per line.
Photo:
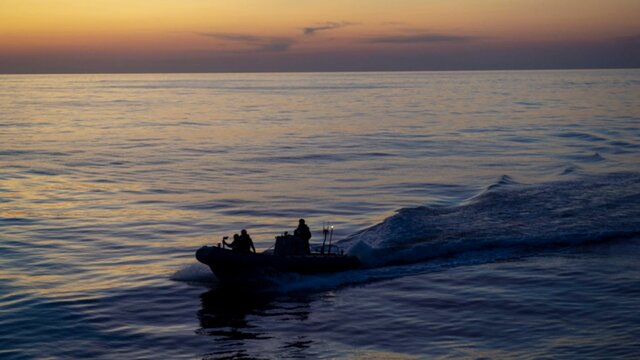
column 327, row 249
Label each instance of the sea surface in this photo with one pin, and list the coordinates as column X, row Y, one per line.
column 497, row 213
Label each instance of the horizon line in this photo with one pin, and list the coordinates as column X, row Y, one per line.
column 577, row 68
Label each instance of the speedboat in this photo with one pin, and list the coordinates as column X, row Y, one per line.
column 240, row 267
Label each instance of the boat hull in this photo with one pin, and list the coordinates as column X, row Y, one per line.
column 234, row 267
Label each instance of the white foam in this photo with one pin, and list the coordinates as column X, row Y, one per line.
column 507, row 216
column 194, row 273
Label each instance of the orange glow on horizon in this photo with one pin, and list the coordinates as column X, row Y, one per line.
column 188, row 27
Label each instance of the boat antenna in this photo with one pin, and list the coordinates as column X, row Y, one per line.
column 325, row 231
column 330, row 238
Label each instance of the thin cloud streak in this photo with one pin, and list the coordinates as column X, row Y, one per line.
column 259, row 43
column 421, row 38
column 329, row 25
column 246, row 38
column 276, row 45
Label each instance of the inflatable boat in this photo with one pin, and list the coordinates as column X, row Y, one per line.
column 241, row 267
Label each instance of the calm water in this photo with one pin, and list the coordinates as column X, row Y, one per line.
column 498, row 212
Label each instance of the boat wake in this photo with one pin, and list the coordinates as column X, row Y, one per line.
column 506, row 220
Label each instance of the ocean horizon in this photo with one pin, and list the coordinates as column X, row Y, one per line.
column 381, row 70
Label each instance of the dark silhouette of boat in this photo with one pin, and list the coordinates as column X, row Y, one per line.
column 247, row 267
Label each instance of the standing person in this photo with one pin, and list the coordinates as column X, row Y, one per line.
column 246, row 242
column 304, row 234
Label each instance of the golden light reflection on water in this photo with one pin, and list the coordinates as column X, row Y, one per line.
column 97, row 276
column 120, row 165
column 109, row 185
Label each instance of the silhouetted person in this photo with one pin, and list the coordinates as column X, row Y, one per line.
column 247, row 243
column 304, row 234
column 241, row 243
column 234, row 244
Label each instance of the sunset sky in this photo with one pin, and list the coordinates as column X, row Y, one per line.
column 42, row 36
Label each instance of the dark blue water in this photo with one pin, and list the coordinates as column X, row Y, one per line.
column 498, row 214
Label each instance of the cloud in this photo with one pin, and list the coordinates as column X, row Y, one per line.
column 258, row 43
column 276, row 45
column 421, row 39
column 233, row 37
column 329, row 25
